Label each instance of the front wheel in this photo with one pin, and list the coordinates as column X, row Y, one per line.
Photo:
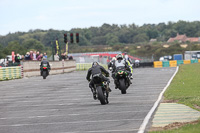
column 122, row 86
column 101, row 96
column 44, row 74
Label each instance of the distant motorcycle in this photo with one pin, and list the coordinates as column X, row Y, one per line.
column 45, row 71
column 102, row 89
column 122, row 80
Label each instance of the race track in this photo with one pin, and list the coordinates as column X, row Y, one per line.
column 64, row 104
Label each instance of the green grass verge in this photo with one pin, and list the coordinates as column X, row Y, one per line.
column 185, row 87
column 190, row 128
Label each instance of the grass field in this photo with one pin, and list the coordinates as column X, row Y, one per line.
column 185, row 89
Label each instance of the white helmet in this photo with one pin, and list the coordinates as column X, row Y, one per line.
column 126, row 57
column 113, row 58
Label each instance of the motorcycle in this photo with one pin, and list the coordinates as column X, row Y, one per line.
column 102, row 89
column 122, row 80
column 44, row 71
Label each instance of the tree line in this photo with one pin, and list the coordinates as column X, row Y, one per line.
column 110, row 35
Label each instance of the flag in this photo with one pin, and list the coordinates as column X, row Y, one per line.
column 57, row 47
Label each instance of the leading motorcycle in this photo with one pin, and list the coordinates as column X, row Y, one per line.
column 44, row 71
column 122, row 80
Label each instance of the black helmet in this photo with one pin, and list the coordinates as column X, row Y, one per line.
column 95, row 64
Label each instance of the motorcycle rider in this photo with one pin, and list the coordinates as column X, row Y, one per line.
column 121, row 63
column 44, row 61
column 97, row 69
column 130, row 64
column 111, row 67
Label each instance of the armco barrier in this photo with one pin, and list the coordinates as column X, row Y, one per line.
column 86, row 66
column 157, row 64
column 10, row 73
column 173, row 63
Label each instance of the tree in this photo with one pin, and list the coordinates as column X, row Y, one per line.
column 32, row 44
column 14, row 46
column 140, row 38
column 2, row 55
column 111, row 39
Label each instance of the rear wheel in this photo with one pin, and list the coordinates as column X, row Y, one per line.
column 44, row 74
column 101, row 96
column 122, row 86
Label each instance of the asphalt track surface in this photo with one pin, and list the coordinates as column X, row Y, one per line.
column 64, row 104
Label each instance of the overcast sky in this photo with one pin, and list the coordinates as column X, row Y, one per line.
column 23, row 15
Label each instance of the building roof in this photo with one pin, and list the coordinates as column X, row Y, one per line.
column 192, row 39
column 183, row 38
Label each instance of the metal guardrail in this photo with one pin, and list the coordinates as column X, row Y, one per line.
column 7, row 73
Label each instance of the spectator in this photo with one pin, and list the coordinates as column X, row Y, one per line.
column 22, row 57
column 17, row 58
column 27, row 56
column 31, row 55
column 40, row 57
column 70, row 58
column 63, row 56
column 45, row 55
column 56, row 57
column 38, row 53
column 34, row 55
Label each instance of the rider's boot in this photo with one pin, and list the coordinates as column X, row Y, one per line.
column 93, row 92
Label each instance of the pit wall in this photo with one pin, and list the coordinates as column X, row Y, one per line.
column 173, row 63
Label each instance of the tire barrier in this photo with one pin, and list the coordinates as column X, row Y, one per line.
column 173, row 63
column 7, row 73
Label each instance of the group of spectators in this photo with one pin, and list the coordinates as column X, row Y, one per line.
column 33, row 55
column 63, row 56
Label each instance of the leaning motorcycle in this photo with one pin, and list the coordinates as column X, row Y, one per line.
column 102, row 89
column 122, row 80
column 45, row 71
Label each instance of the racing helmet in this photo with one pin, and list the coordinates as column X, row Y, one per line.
column 113, row 58
column 95, row 64
column 119, row 56
column 126, row 57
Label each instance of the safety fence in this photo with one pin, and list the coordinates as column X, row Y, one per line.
column 86, row 66
column 173, row 63
column 7, row 73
